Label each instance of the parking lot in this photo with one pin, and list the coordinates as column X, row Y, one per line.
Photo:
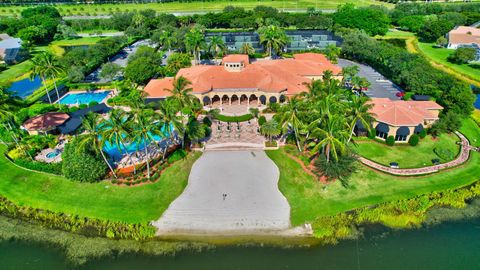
column 380, row 87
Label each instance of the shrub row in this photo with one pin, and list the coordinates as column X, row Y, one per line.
column 240, row 118
column 73, row 223
column 54, row 168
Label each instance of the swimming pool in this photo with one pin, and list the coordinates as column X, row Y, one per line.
column 83, row 98
column 116, row 153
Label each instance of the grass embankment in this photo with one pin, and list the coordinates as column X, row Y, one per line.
column 58, row 47
column 469, row 73
column 410, row 156
column 196, row 6
column 310, row 199
column 21, row 70
column 100, row 200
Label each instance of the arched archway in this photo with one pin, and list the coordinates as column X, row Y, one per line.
column 272, row 99
column 225, row 99
column 402, row 134
column 418, row 129
column 207, row 101
column 282, row 99
column 216, row 100
column 253, row 100
column 234, row 100
column 263, row 99
column 243, row 99
column 382, row 130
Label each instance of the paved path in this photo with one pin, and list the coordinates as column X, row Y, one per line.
column 253, row 204
column 380, row 86
column 463, row 157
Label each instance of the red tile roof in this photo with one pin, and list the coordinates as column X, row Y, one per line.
column 288, row 75
column 236, row 58
column 46, row 121
column 464, row 35
column 403, row 113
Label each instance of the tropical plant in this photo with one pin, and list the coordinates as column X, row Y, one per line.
column 273, row 38
column 330, row 137
column 44, row 66
column 167, row 113
column 195, row 41
column 217, row 46
column 332, row 52
column 359, row 112
column 290, row 119
column 92, row 138
column 166, row 39
column 181, row 93
column 270, row 129
column 247, row 48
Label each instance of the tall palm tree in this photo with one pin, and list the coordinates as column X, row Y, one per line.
column 193, row 131
column 195, row 41
column 167, row 113
column 290, row 119
column 49, row 65
column 39, row 69
column 358, row 111
column 116, row 130
column 247, row 48
column 349, row 72
column 145, row 129
column 273, row 38
column 217, row 46
column 332, row 52
column 331, row 137
column 167, row 39
column 181, row 93
column 92, row 139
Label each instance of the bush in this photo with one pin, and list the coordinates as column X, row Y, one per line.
column 241, row 118
column 54, row 168
column 462, row 55
column 93, row 103
column 444, row 153
column 390, row 141
column 422, row 134
column 262, row 120
column 82, row 164
column 371, row 134
column 340, row 169
column 413, row 141
column 177, row 155
column 207, row 121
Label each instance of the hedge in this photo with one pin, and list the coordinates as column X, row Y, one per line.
column 240, row 118
column 54, row 168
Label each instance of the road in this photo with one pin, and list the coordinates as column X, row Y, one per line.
column 380, row 86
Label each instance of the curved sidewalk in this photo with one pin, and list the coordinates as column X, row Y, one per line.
column 463, row 157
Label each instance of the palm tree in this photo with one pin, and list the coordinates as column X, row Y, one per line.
column 359, row 111
column 331, row 137
column 217, row 45
column 247, row 48
column 290, row 119
column 273, row 38
column 115, row 130
column 270, row 129
column 167, row 113
column 193, row 131
column 349, row 72
column 181, row 93
column 145, row 129
column 39, row 69
column 332, row 52
column 92, row 139
column 48, row 65
column 195, row 41
column 167, row 39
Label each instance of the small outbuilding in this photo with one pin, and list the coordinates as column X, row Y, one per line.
column 46, row 123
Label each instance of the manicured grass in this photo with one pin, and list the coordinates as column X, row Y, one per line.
column 14, row 72
column 393, row 33
column 57, row 46
column 471, row 130
column 197, row 6
column 100, row 200
column 439, row 56
column 408, row 156
column 240, row 118
column 310, row 199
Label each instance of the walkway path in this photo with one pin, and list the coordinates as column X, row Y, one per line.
column 463, row 157
column 253, row 203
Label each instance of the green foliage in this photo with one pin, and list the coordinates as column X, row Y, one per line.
column 176, row 61
column 371, row 133
column 140, row 70
column 411, row 23
column 450, row 122
column 373, row 20
column 433, row 29
column 340, row 169
column 413, row 140
column 177, row 155
column 82, row 164
column 240, row 118
column 207, row 121
column 54, row 168
column 463, row 55
column 262, row 120
column 422, row 134
column 444, row 153
column 390, row 141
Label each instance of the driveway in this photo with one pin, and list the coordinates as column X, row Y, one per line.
column 253, row 203
column 380, row 86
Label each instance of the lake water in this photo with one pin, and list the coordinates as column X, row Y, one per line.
column 454, row 245
column 26, row 87
column 477, row 102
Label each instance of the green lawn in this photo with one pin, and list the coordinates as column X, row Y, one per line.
column 19, row 71
column 309, row 198
column 439, row 55
column 197, row 6
column 408, row 156
column 471, row 131
column 101, row 200
column 57, row 47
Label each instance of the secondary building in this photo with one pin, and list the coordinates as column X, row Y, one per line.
column 47, row 123
column 465, row 36
column 10, row 49
column 239, row 81
column 401, row 119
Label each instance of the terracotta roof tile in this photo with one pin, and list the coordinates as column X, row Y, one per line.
column 46, row 121
column 403, row 113
column 464, row 35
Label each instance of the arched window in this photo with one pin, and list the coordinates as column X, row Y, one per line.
column 382, row 130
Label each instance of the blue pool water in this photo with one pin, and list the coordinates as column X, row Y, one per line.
column 477, row 102
column 116, row 154
column 25, row 87
column 53, row 154
column 83, row 98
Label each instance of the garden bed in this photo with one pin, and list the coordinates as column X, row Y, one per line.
column 240, row 118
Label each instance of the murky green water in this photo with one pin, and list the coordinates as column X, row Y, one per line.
column 454, row 245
